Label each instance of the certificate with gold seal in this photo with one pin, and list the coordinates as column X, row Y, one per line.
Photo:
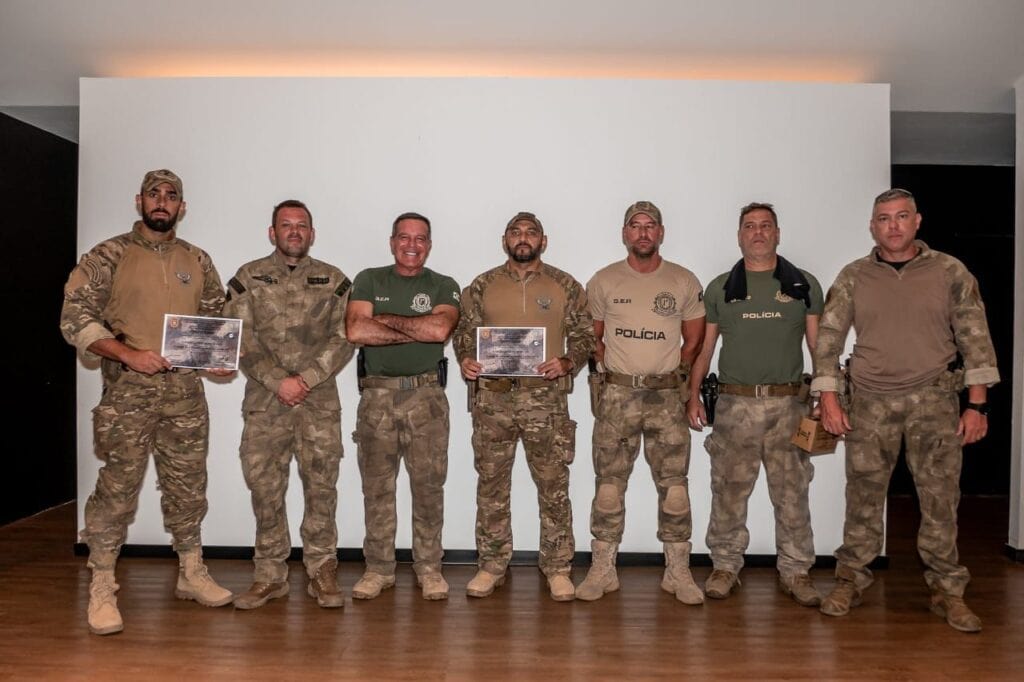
column 202, row 342
column 510, row 351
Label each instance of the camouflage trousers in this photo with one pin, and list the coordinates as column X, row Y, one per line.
column 747, row 432
column 269, row 441
column 392, row 425
column 926, row 418
column 624, row 414
column 540, row 417
column 165, row 415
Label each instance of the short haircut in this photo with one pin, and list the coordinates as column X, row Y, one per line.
column 410, row 215
column 290, row 203
column 758, row 206
column 894, row 194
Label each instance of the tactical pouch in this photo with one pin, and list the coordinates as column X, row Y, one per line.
column 804, row 396
column 360, row 369
column 596, row 381
column 709, row 394
column 442, row 371
column 683, row 371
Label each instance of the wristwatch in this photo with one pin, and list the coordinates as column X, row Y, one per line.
column 980, row 408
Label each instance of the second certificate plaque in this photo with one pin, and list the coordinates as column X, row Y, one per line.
column 510, row 351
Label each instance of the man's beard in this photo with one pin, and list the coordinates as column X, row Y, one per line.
column 645, row 252
column 528, row 257
column 160, row 224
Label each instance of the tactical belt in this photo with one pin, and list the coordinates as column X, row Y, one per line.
column 400, row 383
column 760, row 390
column 654, row 381
column 507, row 384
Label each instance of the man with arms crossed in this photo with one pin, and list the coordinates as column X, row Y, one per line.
column 114, row 306
column 921, row 334
column 649, row 323
column 524, row 292
column 292, row 308
column 762, row 309
column 403, row 314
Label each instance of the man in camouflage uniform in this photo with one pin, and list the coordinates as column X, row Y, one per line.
column 403, row 314
column 649, row 323
column 763, row 308
column 921, row 335
column 524, row 292
column 292, row 308
column 114, row 303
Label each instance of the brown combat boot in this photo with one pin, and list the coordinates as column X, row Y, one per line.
column 955, row 611
column 323, row 586
column 678, row 578
column 104, row 618
column 721, row 583
column 843, row 597
column 601, row 578
column 371, row 585
column 259, row 594
column 801, row 588
column 433, row 584
column 195, row 583
column 561, row 587
column 483, row 584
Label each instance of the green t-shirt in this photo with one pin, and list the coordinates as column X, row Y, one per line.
column 762, row 337
column 391, row 293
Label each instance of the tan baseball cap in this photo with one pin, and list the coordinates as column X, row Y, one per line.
column 156, row 177
column 528, row 217
column 645, row 207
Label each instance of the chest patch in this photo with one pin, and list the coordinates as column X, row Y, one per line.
column 544, row 302
column 782, row 298
column 421, row 303
column 266, row 279
column 184, row 277
column 664, row 304
column 318, row 280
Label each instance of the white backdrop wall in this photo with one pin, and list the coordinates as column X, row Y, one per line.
column 470, row 153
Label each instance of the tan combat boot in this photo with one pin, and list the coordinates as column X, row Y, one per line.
column 561, row 587
column 371, row 585
column 678, row 578
column 843, row 597
column 260, row 593
column 721, row 583
column 801, row 588
column 104, row 618
column 483, row 584
column 601, row 578
column 195, row 583
column 323, row 586
column 955, row 611
column 433, row 584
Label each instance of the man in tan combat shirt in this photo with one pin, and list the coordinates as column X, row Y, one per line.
column 114, row 304
column 293, row 346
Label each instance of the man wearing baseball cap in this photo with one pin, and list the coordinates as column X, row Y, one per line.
column 649, row 323
column 114, row 304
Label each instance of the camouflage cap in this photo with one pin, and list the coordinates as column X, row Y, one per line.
column 645, row 207
column 528, row 217
column 155, row 177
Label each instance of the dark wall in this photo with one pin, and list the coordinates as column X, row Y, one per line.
column 968, row 211
column 38, row 190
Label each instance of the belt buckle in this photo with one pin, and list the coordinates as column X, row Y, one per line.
column 513, row 384
column 406, row 382
column 639, row 381
column 759, row 391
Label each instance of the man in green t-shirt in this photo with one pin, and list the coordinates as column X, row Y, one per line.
column 403, row 314
column 763, row 308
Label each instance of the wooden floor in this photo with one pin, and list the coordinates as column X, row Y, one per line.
column 639, row 632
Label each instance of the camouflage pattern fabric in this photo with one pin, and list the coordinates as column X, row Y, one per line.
column 269, row 440
column 164, row 414
column 926, row 419
column 747, row 432
column 392, row 425
column 624, row 415
column 539, row 416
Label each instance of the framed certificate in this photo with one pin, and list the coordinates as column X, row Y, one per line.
column 202, row 342
column 510, row 351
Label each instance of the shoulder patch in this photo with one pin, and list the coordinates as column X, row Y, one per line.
column 343, row 287
column 233, row 283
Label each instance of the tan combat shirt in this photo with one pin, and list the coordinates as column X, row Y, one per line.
column 546, row 297
column 910, row 323
column 123, row 287
column 293, row 322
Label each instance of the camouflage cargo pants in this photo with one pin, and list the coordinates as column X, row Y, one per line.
column 392, row 425
column 269, row 441
column 165, row 415
column 625, row 414
column 747, row 432
column 926, row 419
column 540, row 417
